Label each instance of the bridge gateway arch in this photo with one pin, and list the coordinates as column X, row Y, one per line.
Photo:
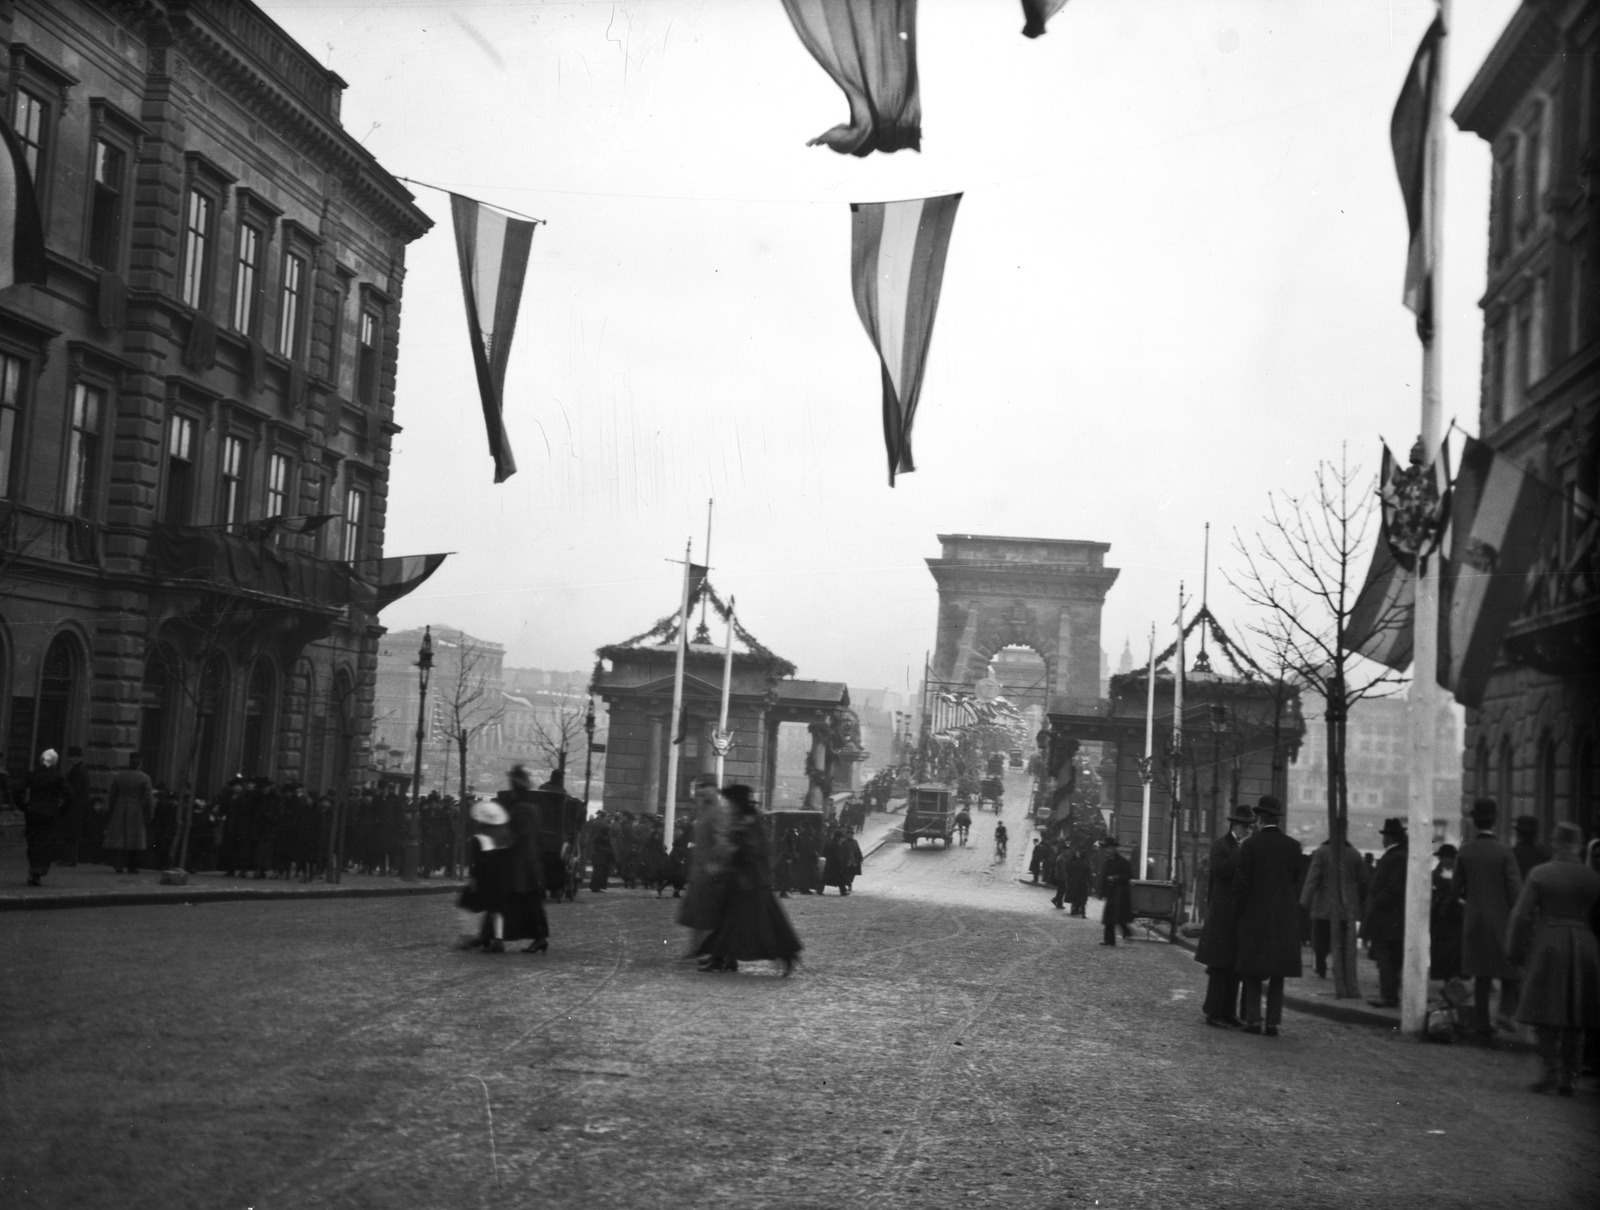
column 1040, row 594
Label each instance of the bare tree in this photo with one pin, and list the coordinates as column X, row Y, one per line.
column 1302, row 570
column 469, row 703
column 556, row 734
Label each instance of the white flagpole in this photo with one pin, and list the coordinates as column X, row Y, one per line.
column 1177, row 747
column 669, row 813
column 1425, row 696
column 727, row 685
column 1149, row 752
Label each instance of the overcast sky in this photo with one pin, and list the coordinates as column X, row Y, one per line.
column 1173, row 284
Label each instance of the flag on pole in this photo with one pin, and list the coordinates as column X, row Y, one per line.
column 398, row 575
column 1498, row 518
column 697, row 582
column 492, row 248
column 22, row 257
column 896, row 268
column 869, row 48
column 1036, row 12
column 1413, row 506
column 1410, row 130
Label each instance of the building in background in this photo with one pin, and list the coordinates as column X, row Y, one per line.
column 1535, row 743
column 211, row 362
column 1377, row 758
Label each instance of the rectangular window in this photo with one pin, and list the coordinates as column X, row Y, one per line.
column 367, row 338
column 355, row 508
column 1498, row 398
column 30, row 128
column 180, row 471
column 232, row 480
column 1524, row 354
column 105, row 207
column 246, row 277
column 278, row 485
column 1503, row 205
column 290, row 306
column 196, row 248
column 83, row 450
column 10, row 419
column 1533, row 168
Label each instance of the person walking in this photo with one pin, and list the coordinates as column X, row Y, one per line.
column 751, row 925
column 1219, row 939
column 1267, row 905
column 1040, row 862
column 131, row 807
column 488, row 877
column 1000, row 841
column 1056, row 875
column 1552, row 938
column 1383, row 926
column 523, row 903
column 1487, row 881
column 850, row 856
column 697, row 911
column 833, row 863
column 46, row 798
column 1078, row 874
column 1333, row 908
column 1528, row 851
column 1116, row 888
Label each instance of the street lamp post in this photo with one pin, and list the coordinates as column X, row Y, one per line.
column 408, row 859
column 588, row 751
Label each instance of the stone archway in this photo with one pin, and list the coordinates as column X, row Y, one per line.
column 1040, row 593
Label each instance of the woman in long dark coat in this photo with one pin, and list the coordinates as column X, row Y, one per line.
column 1116, row 878
column 752, row 925
column 833, row 863
column 1219, row 940
column 524, row 899
column 1077, row 883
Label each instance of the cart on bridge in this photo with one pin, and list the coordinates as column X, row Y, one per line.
column 930, row 815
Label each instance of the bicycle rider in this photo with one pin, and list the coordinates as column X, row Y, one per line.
column 963, row 822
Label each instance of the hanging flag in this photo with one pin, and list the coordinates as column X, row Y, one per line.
column 268, row 526
column 22, row 257
column 493, row 250
column 869, row 47
column 697, row 583
column 396, row 576
column 1498, row 518
column 1414, row 504
column 1409, row 129
column 1036, row 12
column 896, row 268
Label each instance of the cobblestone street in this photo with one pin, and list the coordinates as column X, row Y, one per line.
column 949, row 1040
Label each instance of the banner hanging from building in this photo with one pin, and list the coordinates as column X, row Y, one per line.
column 897, row 255
column 492, row 248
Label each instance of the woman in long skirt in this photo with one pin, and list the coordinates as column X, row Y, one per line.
column 488, row 866
column 752, row 925
column 524, row 899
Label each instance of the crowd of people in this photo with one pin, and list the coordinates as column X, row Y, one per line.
column 721, row 866
column 1522, row 916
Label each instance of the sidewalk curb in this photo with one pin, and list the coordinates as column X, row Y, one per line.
column 197, row 895
column 1348, row 1014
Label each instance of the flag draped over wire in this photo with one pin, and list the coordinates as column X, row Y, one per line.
column 1410, row 130
column 22, row 256
column 1499, row 516
column 1413, row 507
column 897, row 256
column 492, row 248
column 269, row 526
column 869, row 48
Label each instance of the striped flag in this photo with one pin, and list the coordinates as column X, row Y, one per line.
column 1499, row 515
column 396, row 576
column 1410, row 130
column 22, row 257
column 896, row 268
column 869, row 48
column 493, row 250
column 1413, row 506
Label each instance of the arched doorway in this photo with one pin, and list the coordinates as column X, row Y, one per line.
column 260, row 706
column 213, row 707
column 58, row 693
column 1023, row 674
column 155, row 714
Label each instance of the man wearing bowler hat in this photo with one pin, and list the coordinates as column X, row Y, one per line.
column 1219, row 940
column 1267, row 903
column 1116, row 878
column 1384, row 924
column 1487, row 879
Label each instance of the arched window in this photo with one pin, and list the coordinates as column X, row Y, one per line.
column 1507, row 788
column 57, row 709
column 1480, row 771
column 1545, row 787
column 260, row 706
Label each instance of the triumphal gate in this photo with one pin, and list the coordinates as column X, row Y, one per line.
column 1001, row 598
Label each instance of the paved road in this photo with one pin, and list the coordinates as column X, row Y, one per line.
column 950, row 1041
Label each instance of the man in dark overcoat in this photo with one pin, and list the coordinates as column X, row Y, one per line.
column 1383, row 926
column 701, row 908
column 1528, row 851
column 1078, row 874
column 72, row 820
column 1219, row 939
column 45, row 797
column 1266, row 901
column 523, row 915
column 1116, row 878
column 1487, row 880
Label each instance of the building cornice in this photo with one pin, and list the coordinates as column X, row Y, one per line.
column 1523, row 51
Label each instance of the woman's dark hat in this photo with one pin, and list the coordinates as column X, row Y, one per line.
column 1393, row 827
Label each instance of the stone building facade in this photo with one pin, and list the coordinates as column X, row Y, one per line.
column 215, row 347
column 1535, row 742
